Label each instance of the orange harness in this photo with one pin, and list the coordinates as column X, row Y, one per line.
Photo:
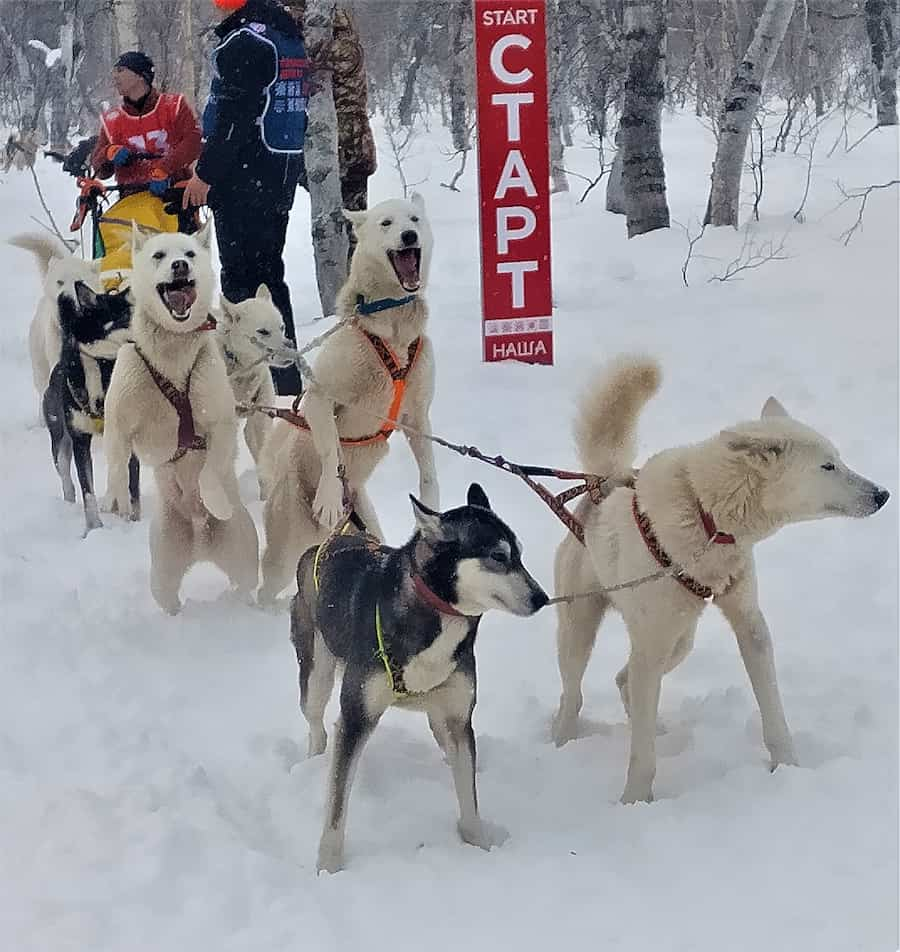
column 398, row 377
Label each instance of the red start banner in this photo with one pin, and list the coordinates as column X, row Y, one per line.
column 514, row 180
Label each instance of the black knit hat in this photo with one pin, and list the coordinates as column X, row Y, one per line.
column 139, row 63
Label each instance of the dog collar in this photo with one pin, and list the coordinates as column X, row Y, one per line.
column 209, row 324
column 384, row 304
column 433, row 600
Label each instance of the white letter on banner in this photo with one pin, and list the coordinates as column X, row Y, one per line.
column 515, row 174
column 505, row 234
column 497, row 67
column 512, row 101
column 517, row 269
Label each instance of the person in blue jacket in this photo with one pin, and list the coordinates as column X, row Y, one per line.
column 251, row 159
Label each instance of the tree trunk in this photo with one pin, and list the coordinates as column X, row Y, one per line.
column 460, row 15
column 126, row 26
column 329, row 236
column 643, row 172
column 558, row 178
column 615, row 185
column 882, row 27
column 739, row 109
column 813, row 42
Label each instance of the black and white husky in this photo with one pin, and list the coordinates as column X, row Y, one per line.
column 402, row 624
column 94, row 326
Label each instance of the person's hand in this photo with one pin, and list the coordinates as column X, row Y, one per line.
column 118, row 155
column 196, row 192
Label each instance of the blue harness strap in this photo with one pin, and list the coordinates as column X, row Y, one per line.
column 384, row 304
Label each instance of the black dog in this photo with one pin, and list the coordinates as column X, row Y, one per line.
column 402, row 623
column 93, row 329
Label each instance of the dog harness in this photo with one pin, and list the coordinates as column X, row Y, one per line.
column 398, row 375
column 659, row 553
column 393, row 670
column 188, row 438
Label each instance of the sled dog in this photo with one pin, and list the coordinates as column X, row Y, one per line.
column 59, row 269
column 170, row 403
column 402, row 624
column 369, row 375
column 701, row 509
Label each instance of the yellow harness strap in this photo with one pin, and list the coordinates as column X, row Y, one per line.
column 381, row 653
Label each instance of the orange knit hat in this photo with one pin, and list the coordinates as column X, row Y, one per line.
column 229, row 4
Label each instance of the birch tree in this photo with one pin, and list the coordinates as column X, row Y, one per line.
column 329, row 235
column 126, row 25
column 643, row 171
column 882, row 27
column 739, row 110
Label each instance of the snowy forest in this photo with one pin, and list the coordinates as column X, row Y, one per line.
column 612, row 67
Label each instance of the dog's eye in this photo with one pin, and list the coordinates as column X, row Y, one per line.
column 414, row 218
column 500, row 557
column 190, row 254
column 828, row 467
column 386, row 223
column 158, row 255
column 264, row 333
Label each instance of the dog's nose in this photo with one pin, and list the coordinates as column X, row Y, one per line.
column 409, row 237
column 881, row 496
column 180, row 268
column 539, row 599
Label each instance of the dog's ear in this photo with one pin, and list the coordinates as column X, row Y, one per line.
column 204, row 234
column 428, row 522
column 477, row 497
column 85, row 295
column 772, row 408
column 229, row 311
column 357, row 219
column 263, row 292
column 139, row 237
column 756, row 447
column 418, row 201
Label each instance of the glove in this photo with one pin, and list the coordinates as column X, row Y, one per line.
column 159, row 183
column 118, row 155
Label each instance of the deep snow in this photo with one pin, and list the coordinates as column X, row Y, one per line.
column 153, row 791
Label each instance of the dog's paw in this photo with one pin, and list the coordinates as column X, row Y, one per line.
column 318, row 740
column 114, row 503
column 214, row 497
column 331, row 854
column 482, row 834
column 328, row 506
column 564, row 729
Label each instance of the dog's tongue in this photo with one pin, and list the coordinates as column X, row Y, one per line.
column 180, row 300
column 406, row 263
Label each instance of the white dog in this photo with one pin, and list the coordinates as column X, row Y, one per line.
column 251, row 336
column 169, row 402
column 60, row 269
column 701, row 508
column 379, row 367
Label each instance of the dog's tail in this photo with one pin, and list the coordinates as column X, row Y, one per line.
column 44, row 248
column 607, row 415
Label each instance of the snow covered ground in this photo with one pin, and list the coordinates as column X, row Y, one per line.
column 153, row 791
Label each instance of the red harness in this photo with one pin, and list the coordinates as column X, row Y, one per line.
column 659, row 553
column 188, row 438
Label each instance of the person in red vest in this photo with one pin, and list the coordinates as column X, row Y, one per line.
column 152, row 139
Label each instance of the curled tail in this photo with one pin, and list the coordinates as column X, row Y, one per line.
column 607, row 414
column 44, row 248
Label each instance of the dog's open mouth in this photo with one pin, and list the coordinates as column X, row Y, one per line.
column 406, row 266
column 178, row 296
